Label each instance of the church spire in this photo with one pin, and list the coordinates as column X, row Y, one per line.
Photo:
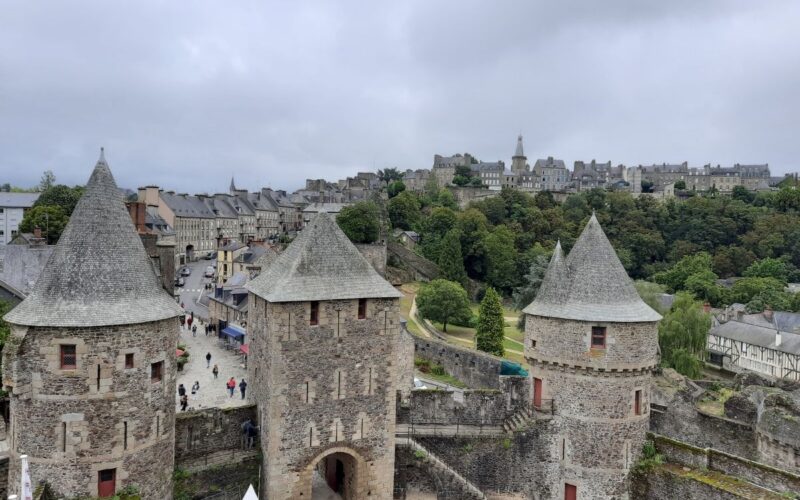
column 519, row 152
column 233, row 186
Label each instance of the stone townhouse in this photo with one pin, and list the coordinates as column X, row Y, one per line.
column 267, row 215
column 323, row 328
column 592, row 345
column 444, row 167
column 228, row 251
column 90, row 362
column 590, row 175
column 490, row 174
column 416, row 180
column 551, row 175
column 12, row 209
column 290, row 217
column 194, row 223
column 226, row 219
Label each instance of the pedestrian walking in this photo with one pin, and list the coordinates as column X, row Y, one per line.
column 195, row 387
column 194, row 331
column 181, row 390
column 252, row 432
column 231, row 386
column 182, row 306
column 189, row 321
column 215, row 371
column 242, row 387
column 184, row 402
column 208, row 360
column 183, row 321
column 206, row 328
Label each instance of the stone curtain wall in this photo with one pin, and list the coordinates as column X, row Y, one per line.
column 405, row 363
column 476, row 369
column 421, row 269
column 204, row 438
column 708, row 458
column 3, row 477
column 93, row 402
column 375, row 253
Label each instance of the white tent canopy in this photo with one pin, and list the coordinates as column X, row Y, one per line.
column 251, row 494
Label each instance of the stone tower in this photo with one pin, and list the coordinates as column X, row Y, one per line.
column 592, row 345
column 323, row 328
column 519, row 162
column 90, row 362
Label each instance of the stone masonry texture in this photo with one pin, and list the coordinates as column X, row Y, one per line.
column 326, row 389
column 100, row 415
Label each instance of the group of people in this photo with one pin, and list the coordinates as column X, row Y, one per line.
column 182, row 394
column 231, row 384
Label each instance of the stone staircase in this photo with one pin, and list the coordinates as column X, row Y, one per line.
column 456, row 480
column 518, row 420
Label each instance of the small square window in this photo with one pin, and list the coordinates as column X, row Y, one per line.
column 362, row 308
column 69, row 357
column 129, row 360
column 533, row 343
column 314, row 319
column 156, row 372
column 598, row 337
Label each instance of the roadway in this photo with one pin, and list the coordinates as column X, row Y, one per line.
column 193, row 287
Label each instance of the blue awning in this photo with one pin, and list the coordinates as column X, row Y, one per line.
column 233, row 331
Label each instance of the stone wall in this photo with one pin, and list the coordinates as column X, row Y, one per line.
column 205, row 438
column 476, row 369
column 731, row 465
column 326, row 391
column 481, row 407
column 405, row 363
column 3, row 477
column 222, row 482
column 464, row 195
column 666, row 483
column 375, row 253
column 99, row 415
column 420, row 268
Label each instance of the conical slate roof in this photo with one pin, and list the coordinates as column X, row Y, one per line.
column 99, row 272
column 591, row 285
column 518, row 151
column 321, row 264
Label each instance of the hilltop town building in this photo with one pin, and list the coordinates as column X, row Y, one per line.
column 12, row 209
column 592, row 345
column 90, row 363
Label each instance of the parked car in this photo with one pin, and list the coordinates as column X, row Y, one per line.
column 208, row 256
column 180, row 282
column 186, row 271
column 209, row 272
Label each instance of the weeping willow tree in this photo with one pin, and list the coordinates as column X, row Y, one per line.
column 682, row 336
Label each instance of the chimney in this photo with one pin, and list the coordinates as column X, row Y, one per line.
column 767, row 313
column 777, row 338
column 706, row 307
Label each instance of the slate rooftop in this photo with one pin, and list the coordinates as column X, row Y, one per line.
column 590, row 284
column 321, row 264
column 99, row 273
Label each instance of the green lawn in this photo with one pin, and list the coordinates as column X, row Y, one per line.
column 507, row 311
column 510, row 344
column 511, row 331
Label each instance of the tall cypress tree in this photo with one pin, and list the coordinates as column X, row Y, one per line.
column 451, row 262
column 489, row 334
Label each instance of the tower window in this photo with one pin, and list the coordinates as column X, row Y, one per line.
column 362, row 308
column 129, row 360
column 69, row 357
column 637, row 402
column 157, row 371
column 314, row 319
column 598, row 337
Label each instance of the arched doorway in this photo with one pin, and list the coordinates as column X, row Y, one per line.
column 189, row 253
column 336, row 476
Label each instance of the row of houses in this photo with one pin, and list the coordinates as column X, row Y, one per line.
column 552, row 174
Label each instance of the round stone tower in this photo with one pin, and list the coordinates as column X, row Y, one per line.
column 90, row 362
column 592, row 345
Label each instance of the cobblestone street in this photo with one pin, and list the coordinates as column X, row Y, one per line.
column 213, row 392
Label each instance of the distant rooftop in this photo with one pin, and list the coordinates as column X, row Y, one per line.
column 18, row 200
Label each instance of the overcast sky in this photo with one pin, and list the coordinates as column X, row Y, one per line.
column 186, row 94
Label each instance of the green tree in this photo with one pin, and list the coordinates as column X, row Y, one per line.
column 450, row 262
column 395, row 188
column 525, row 293
column 404, row 210
column 741, row 193
column 5, row 329
column 463, row 175
column 50, row 218
column 680, row 185
column 651, row 293
column 47, row 181
column 443, row 301
column 489, row 333
column 675, row 278
column 501, row 259
column 62, row 196
column 746, row 289
column 361, row 222
column 388, row 175
column 446, row 199
column 768, row 268
column 431, row 189
column 682, row 335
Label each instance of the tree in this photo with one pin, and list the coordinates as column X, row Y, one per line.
column 647, row 186
column 501, row 259
column 463, row 175
column 404, row 210
column 388, row 175
column 680, row 185
column 675, row 278
column 50, row 218
column 741, row 193
column 768, row 268
column 682, row 336
column 450, row 262
column 361, row 222
column 48, row 180
column 524, row 294
column 62, row 196
column 395, row 188
column 746, row 289
column 443, row 301
column 489, row 334
column 5, row 329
